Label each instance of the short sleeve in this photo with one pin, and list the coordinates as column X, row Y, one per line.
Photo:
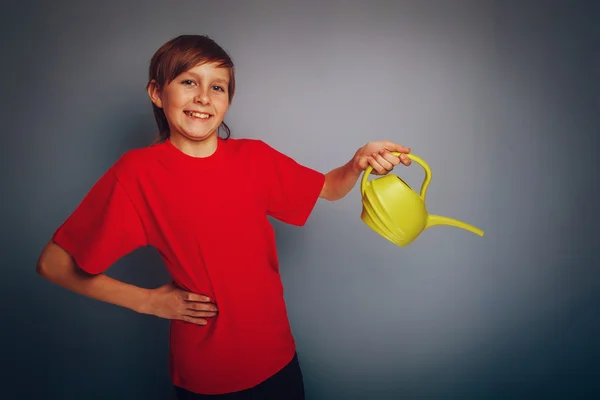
column 293, row 189
column 103, row 228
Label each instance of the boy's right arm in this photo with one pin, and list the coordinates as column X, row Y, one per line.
column 57, row 266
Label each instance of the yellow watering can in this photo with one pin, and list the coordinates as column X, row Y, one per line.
column 398, row 213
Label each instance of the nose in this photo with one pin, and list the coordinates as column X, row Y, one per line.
column 202, row 97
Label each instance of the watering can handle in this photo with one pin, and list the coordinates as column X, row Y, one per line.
column 414, row 158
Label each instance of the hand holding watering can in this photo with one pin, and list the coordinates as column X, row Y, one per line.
column 395, row 211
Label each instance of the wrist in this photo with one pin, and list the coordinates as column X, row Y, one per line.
column 144, row 302
column 353, row 166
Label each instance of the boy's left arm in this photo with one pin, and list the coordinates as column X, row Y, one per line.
column 339, row 181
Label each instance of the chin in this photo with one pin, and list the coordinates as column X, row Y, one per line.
column 199, row 137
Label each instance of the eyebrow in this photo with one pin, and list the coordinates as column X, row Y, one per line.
column 220, row 80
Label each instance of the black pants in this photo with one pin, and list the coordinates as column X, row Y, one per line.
column 287, row 384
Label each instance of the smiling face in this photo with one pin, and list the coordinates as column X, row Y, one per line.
column 194, row 102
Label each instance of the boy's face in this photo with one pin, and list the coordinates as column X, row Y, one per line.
column 195, row 102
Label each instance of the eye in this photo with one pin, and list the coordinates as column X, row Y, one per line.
column 218, row 88
column 187, row 82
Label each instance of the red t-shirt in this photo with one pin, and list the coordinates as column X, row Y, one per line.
column 207, row 217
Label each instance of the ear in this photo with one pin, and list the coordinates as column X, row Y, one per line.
column 154, row 93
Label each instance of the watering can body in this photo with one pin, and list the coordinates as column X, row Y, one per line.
column 396, row 212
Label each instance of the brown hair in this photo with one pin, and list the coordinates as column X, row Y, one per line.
column 179, row 55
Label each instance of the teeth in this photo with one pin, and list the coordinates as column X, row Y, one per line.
column 198, row 115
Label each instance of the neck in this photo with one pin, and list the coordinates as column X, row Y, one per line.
column 200, row 148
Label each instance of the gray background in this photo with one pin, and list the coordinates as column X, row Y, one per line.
column 500, row 98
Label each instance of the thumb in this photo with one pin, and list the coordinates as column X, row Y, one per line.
column 391, row 146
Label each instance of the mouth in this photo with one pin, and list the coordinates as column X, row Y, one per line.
column 198, row 115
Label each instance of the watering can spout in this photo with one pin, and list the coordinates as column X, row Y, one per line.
column 433, row 220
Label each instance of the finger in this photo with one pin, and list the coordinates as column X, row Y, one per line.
column 391, row 146
column 201, row 306
column 404, row 159
column 193, row 320
column 377, row 168
column 199, row 314
column 389, row 157
column 388, row 166
column 370, row 163
column 189, row 296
